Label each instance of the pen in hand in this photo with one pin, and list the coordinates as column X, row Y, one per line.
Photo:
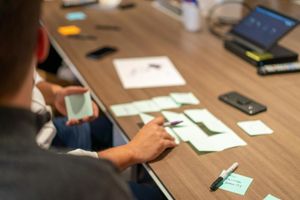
column 173, row 123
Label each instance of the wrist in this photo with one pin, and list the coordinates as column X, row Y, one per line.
column 132, row 152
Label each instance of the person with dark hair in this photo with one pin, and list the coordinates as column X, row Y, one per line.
column 29, row 172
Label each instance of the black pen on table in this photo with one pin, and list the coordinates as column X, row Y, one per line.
column 225, row 173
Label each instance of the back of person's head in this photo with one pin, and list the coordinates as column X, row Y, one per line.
column 19, row 21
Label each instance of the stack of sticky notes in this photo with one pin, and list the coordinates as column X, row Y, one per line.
column 190, row 132
column 156, row 104
column 69, row 30
column 256, row 127
column 79, row 106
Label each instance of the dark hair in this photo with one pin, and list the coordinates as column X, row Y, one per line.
column 19, row 21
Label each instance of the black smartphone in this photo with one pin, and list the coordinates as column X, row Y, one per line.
column 77, row 3
column 242, row 103
column 101, row 52
column 126, row 6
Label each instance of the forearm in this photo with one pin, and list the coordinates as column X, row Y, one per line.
column 49, row 91
column 121, row 156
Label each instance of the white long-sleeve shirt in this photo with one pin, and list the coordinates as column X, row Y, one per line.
column 47, row 133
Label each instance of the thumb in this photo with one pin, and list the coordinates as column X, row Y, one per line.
column 75, row 90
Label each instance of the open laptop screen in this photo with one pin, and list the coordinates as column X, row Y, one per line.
column 263, row 27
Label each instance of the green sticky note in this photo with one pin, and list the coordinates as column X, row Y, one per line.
column 72, row 16
column 185, row 98
column 146, row 106
column 206, row 118
column 165, row 102
column 123, row 110
column 79, row 105
column 271, row 197
column 146, row 118
column 236, row 183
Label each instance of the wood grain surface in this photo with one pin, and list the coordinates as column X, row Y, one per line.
column 272, row 161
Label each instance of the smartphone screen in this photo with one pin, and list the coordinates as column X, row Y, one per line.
column 101, row 52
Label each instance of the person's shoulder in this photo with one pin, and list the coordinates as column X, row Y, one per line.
column 96, row 178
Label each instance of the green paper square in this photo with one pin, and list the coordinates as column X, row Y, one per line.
column 165, row 102
column 124, row 110
column 146, row 106
column 236, row 183
column 79, row 105
column 271, row 197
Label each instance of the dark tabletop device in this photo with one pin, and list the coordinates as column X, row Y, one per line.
column 255, row 37
column 242, row 103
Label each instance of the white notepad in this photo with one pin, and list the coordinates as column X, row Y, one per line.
column 147, row 72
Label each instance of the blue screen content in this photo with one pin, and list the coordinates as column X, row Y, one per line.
column 263, row 27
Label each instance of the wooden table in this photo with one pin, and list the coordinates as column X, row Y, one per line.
column 272, row 161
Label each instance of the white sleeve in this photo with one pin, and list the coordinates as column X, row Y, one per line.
column 37, row 78
column 80, row 152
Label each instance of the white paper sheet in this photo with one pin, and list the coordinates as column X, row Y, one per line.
column 147, row 72
column 173, row 116
column 255, row 127
column 190, row 133
column 208, row 119
column 218, row 142
column 202, row 142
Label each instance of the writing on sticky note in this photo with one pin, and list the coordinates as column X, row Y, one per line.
column 72, row 16
column 236, row 183
column 69, row 30
column 271, row 197
column 79, row 106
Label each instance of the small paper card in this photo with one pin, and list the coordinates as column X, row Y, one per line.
column 79, row 105
column 145, row 106
column 165, row 102
column 256, row 127
column 146, row 118
column 185, row 98
column 236, row 183
column 123, row 110
column 271, row 197
column 72, row 16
